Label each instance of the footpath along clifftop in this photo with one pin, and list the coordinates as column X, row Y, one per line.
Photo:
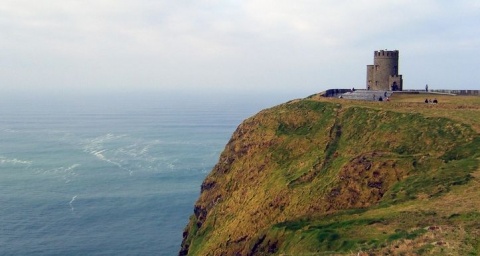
column 329, row 175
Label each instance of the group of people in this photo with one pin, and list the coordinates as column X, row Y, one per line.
column 434, row 101
column 381, row 98
column 385, row 97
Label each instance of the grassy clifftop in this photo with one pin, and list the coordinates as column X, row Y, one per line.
column 317, row 175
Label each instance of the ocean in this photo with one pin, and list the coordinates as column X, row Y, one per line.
column 108, row 175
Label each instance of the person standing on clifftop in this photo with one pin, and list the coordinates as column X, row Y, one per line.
column 426, row 87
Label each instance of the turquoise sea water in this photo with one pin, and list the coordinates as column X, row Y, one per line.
column 107, row 176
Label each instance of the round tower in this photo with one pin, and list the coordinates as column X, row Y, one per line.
column 385, row 65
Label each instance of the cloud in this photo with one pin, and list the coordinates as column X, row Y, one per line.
column 228, row 44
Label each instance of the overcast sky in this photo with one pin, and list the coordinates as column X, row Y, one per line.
column 249, row 45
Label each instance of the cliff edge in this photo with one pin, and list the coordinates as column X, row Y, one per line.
column 320, row 176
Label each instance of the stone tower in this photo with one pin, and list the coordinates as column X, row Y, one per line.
column 383, row 74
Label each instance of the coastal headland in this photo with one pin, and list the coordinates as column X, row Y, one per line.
column 338, row 176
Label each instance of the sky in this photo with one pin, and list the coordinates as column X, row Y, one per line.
column 206, row 46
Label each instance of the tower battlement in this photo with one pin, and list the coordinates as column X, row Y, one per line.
column 385, row 53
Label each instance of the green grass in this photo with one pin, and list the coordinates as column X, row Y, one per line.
column 402, row 234
column 468, row 216
column 433, row 182
column 471, row 149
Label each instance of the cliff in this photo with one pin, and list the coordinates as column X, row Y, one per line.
column 318, row 175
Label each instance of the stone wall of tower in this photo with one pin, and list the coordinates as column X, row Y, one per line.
column 384, row 71
column 369, row 76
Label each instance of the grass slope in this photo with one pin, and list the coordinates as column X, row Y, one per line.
column 323, row 176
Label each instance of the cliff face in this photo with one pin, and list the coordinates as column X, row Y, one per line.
column 313, row 175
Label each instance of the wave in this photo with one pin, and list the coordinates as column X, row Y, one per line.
column 99, row 154
column 96, row 148
column 133, row 154
column 71, row 203
column 64, row 173
column 14, row 161
column 122, row 151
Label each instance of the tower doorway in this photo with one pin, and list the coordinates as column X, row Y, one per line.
column 394, row 86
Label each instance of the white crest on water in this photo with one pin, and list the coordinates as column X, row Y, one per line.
column 71, row 203
column 97, row 148
column 14, row 161
column 64, row 173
